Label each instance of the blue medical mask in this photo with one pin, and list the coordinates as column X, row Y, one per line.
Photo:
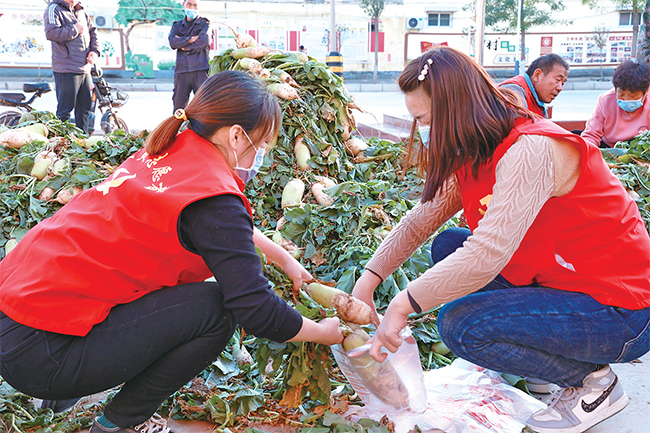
column 191, row 13
column 246, row 174
column 630, row 106
column 425, row 132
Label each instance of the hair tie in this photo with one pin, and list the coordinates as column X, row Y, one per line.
column 180, row 114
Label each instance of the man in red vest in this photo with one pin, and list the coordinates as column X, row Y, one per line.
column 541, row 83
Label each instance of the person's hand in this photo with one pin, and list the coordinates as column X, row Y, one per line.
column 331, row 333
column 388, row 332
column 81, row 27
column 364, row 290
column 91, row 57
column 297, row 274
column 193, row 39
column 326, row 331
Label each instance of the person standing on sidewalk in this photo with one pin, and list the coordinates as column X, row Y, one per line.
column 74, row 50
column 189, row 37
column 541, row 83
column 552, row 279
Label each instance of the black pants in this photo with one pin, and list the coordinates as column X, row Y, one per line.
column 154, row 345
column 184, row 84
column 73, row 92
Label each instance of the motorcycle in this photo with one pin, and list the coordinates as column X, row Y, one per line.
column 104, row 96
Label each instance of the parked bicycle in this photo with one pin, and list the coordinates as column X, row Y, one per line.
column 107, row 98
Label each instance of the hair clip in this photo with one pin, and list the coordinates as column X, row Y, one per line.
column 180, row 114
column 423, row 73
column 425, row 70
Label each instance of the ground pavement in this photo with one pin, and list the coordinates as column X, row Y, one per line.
column 150, row 103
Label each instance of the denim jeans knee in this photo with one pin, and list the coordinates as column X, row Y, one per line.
column 448, row 241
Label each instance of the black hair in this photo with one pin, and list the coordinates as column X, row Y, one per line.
column 546, row 63
column 632, row 76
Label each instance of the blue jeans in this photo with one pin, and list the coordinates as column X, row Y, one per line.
column 534, row 331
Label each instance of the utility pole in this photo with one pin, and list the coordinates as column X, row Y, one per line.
column 480, row 28
column 332, row 46
column 519, row 66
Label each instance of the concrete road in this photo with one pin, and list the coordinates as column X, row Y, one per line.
column 145, row 110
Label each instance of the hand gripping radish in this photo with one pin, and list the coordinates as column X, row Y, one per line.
column 347, row 306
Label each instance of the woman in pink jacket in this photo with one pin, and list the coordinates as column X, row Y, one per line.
column 624, row 111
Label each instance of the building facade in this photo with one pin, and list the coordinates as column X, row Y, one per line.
column 406, row 28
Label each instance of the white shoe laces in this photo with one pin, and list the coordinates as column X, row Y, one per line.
column 559, row 398
column 155, row 424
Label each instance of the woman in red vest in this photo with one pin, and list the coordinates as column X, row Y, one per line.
column 552, row 281
column 119, row 293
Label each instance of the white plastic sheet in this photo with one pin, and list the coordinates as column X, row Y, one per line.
column 462, row 398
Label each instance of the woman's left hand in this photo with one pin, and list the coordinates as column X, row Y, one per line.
column 297, row 274
column 388, row 333
column 278, row 255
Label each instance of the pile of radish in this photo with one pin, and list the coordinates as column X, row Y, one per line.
column 43, row 163
column 327, row 195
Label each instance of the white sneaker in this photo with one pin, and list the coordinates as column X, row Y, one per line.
column 574, row 410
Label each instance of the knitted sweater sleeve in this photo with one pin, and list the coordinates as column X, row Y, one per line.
column 415, row 228
column 524, row 182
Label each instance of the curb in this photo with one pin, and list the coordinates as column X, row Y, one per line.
column 353, row 87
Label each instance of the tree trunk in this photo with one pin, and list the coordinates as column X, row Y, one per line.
column 635, row 26
column 374, row 74
column 643, row 47
column 130, row 29
column 522, row 60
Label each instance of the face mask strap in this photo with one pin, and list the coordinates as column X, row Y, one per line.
column 257, row 149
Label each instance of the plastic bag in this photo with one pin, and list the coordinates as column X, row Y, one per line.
column 396, row 383
column 462, row 398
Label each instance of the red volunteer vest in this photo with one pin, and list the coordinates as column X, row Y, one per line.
column 530, row 98
column 591, row 240
column 116, row 242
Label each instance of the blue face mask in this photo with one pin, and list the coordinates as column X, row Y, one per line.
column 630, row 106
column 425, row 133
column 191, row 13
column 246, row 174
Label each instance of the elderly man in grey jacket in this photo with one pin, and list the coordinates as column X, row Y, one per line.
column 74, row 50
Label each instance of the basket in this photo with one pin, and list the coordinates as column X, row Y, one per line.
column 118, row 97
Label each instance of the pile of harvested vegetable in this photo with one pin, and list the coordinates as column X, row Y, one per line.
column 324, row 194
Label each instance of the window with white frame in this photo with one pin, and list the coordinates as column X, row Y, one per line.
column 439, row 19
column 625, row 18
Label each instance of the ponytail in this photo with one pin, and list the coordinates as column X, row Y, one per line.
column 163, row 136
column 225, row 99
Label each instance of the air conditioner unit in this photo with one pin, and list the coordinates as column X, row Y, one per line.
column 414, row 23
column 103, row 20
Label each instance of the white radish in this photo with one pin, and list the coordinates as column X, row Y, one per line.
column 301, row 151
column 292, row 193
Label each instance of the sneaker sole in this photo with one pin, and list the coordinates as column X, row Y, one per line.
column 612, row 410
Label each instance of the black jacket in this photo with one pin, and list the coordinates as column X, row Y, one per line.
column 69, row 48
column 193, row 56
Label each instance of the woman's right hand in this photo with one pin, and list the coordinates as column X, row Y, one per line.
column 364, row 290
column 326, row 331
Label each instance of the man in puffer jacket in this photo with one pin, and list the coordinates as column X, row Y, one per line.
column 74, row 50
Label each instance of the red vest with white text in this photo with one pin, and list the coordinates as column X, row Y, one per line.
column 115, row 242
column 591, row 240
column 530, row 98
